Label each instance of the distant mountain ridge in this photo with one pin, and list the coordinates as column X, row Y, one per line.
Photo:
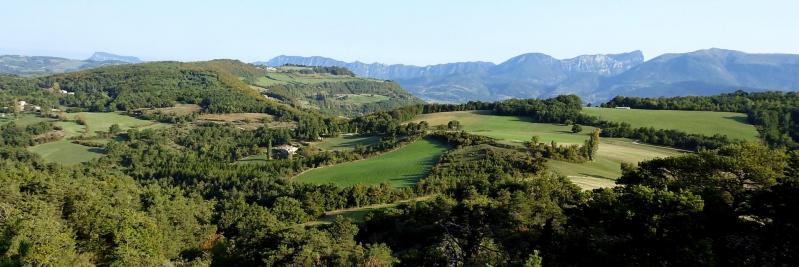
column 595, row 78
column 379, row 70
column 104, row 56
column 44, row 65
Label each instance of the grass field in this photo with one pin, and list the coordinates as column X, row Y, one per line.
column 178, row 109
column 249, row 121
column 24, row 119
column 360, row 99
column 234, row 117
column 346, row 142
column 273, row 78
column 733, row 125
column 101, row 121
column 65, row 152
column 607, row 165
column 401, row 167
column 508, row 128
column 512, row 129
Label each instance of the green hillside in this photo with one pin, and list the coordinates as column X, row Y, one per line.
column 733, row 125
column 343, row 95
column 511, row 129
column 401, row 167
column 515, row 130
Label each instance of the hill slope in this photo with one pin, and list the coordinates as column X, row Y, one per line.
column 217, row 86
column 321, row 89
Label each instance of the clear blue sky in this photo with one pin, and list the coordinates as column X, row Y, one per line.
column 403, row 31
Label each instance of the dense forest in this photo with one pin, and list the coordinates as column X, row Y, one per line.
column 176, row 195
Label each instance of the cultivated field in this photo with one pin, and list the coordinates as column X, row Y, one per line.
column 236, row 117
column 273, row 78
column 607, row 165
column 65, row 152
column 733, row 125
column 101, row 121
column 24, row 119
column 360, row 99
column 401, row 167
column 346, row 142
column 512, row 129
column 248, row 121
column 178, row 109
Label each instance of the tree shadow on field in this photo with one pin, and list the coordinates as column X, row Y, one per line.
column 595, row 176
column 740, row 119
column 352, row 141
column 411, row 179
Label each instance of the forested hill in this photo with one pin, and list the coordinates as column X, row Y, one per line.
column 217, row 86
column 331, row 90
column 160, row 84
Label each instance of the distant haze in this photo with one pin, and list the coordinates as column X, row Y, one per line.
column 410, row 32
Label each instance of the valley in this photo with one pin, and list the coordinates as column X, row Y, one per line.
column 399, row 133
column 293, row 153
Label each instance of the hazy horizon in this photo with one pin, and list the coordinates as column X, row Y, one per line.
column 408, row 32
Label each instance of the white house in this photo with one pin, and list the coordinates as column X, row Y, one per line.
column 622, row 107
column 285, row 150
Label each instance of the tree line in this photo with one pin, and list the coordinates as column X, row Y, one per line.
column 774, row 113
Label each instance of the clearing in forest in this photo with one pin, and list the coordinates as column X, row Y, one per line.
column 733, row 125
column 346, row 142
column 401, row 167
column 515, row 129
column 65, row 152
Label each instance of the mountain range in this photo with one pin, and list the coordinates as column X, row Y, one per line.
column 44, row 65
column 594, row 78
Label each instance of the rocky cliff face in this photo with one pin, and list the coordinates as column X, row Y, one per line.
column 605, row 65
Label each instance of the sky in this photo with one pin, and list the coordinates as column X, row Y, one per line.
column 418, row 32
